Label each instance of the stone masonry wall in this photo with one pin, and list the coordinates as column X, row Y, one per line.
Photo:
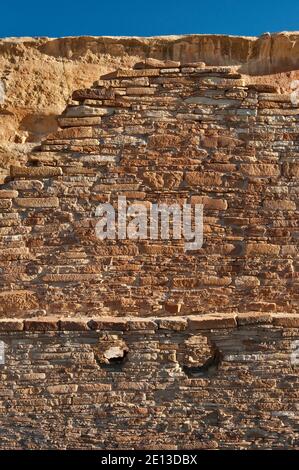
column 162, row 132
column 133, row 385
column 139, row 343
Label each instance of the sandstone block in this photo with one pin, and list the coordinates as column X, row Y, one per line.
column 262, row 306
column 260, row 169
column 281, row 205
column 34, row 202
column 214, row 281
column 156, row 64
column 206, row 322
column 77, row 121
column 164, row 141
column 253, row 318
column 71, row 133
column 262, row 249
column 247, row 282
column 286, row 320
column 86, row 111
column 210, row 203
column 291, row 170
column 122, row 73
column 194, row 179
column 72, row 325
column 62, row 389
column 27, row 185
column 71, row 277
column 107, row 323
column 289, row 250
column 141, row 324
column 8, row 324
column 11, row 254
column 139, row 91
column 8, row 194
column 173, row 323
column 35, row 172
column 93, row 94
column 5, row 203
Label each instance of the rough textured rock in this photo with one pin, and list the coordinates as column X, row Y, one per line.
column 139, row 344
column 193, row 134
column 124, row 388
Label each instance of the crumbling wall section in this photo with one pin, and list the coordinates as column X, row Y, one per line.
column 161, row 132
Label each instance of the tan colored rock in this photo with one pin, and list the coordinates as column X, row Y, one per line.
column 198, row 179
column 11, row 324
column 157, row 64
column 210, row 203
column 262, row 249
column 247, row 282
column 63, row 389
column 71, row 133
column 41, row 324
column 14, row 302
column 8, row 194
column 253, row 318
column 134, row 91
column 46, row 202
column 34, row 172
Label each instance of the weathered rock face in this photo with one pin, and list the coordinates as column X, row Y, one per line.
column 150, row 385
column 142, row 343
column 162, row 132
column 37, row 76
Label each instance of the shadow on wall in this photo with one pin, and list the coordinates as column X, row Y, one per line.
column 35, row 127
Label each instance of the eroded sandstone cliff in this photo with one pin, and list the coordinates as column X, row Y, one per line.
column 37, row 76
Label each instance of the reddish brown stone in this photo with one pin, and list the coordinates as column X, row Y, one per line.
column 107, row 323
column 207, row 322
column 72, row 325
column 253, row 318
column 41, row 324
column 157, row 64
column 34, row 172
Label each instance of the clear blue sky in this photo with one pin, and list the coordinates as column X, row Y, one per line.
column 146, row 18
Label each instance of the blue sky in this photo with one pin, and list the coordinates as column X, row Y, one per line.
column 146, row 18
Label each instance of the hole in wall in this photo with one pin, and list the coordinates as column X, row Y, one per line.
column 112, row 353
column 200, row 357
